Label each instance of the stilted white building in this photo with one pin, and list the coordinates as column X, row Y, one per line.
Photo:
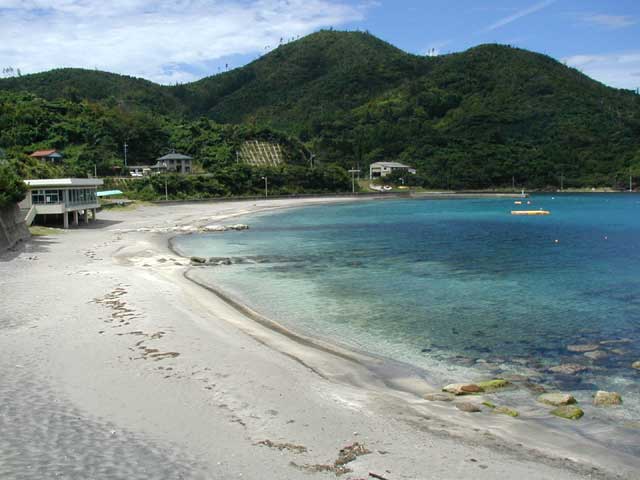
column 66, row 199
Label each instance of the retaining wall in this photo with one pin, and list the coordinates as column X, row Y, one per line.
column 12, row 227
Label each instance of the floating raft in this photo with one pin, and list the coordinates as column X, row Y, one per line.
column 530, row 212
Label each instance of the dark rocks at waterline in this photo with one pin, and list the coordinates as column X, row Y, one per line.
column 534, row 387
column 198, row 261
column 220, row 261
column 568, row 368
column 607, row 399
column 597, row 355
column 462, row 361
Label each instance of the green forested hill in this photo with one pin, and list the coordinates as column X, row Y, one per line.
column 474, row 119
column 76, row 84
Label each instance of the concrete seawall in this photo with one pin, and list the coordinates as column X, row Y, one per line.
column 12, row 227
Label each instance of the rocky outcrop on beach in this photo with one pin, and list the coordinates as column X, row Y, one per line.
column 468, row 407
column 224, row 228
column 607, row 399
column 187, row 229
column 493, row 385
column 557, row 399
column 570, row 412
column 463, row 389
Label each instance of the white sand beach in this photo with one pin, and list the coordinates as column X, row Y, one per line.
column 114, row 365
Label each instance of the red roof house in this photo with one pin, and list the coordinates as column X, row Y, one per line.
column 50, row 155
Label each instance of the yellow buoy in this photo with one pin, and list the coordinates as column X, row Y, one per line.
column 530, row 212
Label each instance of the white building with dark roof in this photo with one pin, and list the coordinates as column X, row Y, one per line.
column 382, row 169
column 173, row 162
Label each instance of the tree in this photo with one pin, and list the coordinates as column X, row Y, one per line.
column 12, row 188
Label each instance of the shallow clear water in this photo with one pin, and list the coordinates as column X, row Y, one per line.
column 452, row 282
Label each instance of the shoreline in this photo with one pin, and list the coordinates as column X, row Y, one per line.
column 388, row 374
column 342, row 399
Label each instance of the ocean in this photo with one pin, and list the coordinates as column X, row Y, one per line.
column 456, row 289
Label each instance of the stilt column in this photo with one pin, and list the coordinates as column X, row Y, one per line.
column 65, row 220
column 75, row 218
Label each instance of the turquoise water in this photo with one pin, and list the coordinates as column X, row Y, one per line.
column 456, row 287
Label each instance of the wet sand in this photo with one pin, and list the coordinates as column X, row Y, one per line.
column 114, row 365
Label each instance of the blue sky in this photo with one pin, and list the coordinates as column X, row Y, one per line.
column 170, row 41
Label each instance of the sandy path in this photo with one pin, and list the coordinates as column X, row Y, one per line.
column 115, row 366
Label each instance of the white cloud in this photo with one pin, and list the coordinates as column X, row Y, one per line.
column 163, row 40
column 610, row 21
column 518, row 15
column 620, row 70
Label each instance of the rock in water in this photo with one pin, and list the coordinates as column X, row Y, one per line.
column 582, row 348
column 596, row 355
column 198, row 260
column 636, row 365
column 606, row 399
column 462, row 388
column 238, row 226
column 468, row 407
column 439, row 397
column 557, row 399
column 570, row 412
column 568, row 368
column 493, row 385
column 214, row 228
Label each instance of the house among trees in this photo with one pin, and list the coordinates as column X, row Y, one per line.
column 382, row 169
column 47, row 155
column 173, row 162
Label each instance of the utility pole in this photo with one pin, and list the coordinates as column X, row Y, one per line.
column 630, row 182
column 353, row 172
column 513, row 183
column 125, row 153
column 266, row 186
column 562, row 181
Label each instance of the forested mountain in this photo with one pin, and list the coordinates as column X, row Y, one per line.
column 474, row 119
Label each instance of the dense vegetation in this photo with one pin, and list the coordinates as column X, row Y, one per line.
column 483, row 118
column 12, row 188
column 92, row 137
column 238, row 180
